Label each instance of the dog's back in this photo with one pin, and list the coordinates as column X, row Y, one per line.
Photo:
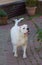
column 15, row 32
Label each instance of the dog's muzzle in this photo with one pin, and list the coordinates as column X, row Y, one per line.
column 28, row 30
column 26, row 33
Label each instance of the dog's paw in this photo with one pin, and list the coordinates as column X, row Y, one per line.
column 15, row 55
column 24, row 56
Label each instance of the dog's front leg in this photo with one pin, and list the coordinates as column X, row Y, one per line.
column 15, row 51
column 24, row 51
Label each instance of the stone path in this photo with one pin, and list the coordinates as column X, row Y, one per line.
column 34, row 57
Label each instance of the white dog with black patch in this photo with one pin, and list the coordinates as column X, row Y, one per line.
column 19, row 37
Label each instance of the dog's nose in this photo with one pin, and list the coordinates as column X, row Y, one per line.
column 27, row 28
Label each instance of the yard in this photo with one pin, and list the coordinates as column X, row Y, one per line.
column 34, row 49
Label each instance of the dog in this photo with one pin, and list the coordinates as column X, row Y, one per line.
column 19, row 37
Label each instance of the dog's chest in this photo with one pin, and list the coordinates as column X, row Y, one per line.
column 22, row 38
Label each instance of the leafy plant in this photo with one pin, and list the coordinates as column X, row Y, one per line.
column 31, row 3
column 2, row 13
column 39, row 35
column 39, row 32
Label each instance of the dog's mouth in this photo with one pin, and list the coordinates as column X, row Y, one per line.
column 26, row 33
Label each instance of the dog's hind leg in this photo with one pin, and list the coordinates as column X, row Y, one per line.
column 24, row 51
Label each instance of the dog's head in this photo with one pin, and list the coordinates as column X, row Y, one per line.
column 24, row 28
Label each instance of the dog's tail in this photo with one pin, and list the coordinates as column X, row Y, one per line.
column 17, row 21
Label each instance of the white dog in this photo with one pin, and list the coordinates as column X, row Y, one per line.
column 19, row 37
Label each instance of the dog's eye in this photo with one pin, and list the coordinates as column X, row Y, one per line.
column 23, row 28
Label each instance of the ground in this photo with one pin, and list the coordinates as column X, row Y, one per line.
column 34, row 57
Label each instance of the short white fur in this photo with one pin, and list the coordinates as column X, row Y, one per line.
column 18, row 38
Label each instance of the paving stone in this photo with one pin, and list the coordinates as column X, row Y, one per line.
column 6, row 55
